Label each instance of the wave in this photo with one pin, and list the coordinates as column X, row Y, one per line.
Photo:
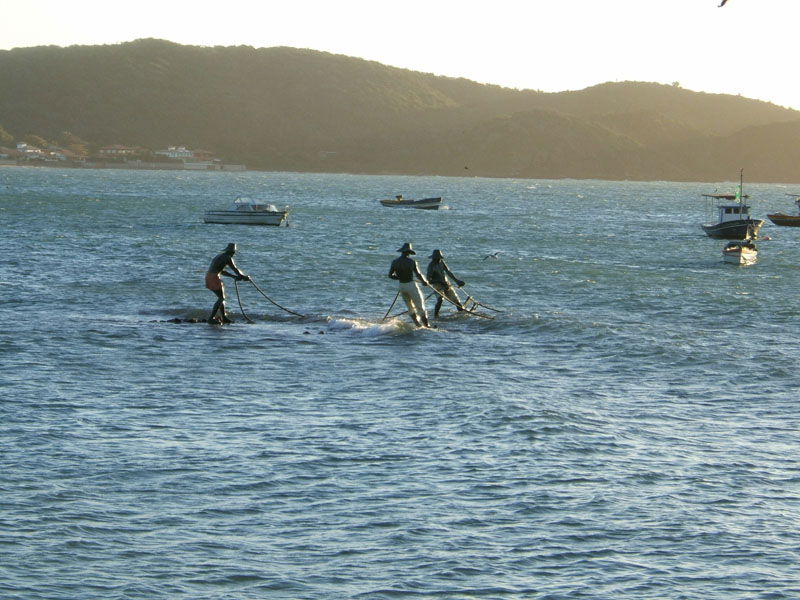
column 367, row 328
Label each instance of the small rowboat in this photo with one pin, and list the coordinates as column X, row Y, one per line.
column 787, row 220
column 740, row 253
column 424, row 204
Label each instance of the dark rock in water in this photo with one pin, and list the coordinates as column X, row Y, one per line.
column 306, row 333
column 178, row 320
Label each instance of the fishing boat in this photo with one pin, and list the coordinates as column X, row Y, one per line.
column 787, row 220
column 424, row 203
column 733, row 221
column 743, row 252
column 247, row 211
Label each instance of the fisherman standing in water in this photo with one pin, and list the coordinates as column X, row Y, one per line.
column 214, row 281
column 437, row 276
column 404, row 269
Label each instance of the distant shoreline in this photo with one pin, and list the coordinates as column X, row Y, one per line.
column 130, row 166
column 164, row 167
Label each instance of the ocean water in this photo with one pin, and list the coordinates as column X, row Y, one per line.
column 626, row 427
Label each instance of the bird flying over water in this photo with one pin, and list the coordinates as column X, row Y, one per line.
column 492, row 255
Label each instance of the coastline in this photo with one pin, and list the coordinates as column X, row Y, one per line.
column 131, row 165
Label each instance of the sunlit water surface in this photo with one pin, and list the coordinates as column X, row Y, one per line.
column 627, row 428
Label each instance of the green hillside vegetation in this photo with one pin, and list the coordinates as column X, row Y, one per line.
column 303, row 110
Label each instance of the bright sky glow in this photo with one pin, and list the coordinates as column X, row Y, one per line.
column 747, row 47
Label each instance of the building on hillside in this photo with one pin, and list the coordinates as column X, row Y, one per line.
column 176, row 152
column 65, row 155
column 203, row 155
column 197, row 160
column 118, row 151
column 29, row 152
column 9, row 156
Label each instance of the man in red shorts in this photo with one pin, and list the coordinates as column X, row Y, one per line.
column 214, row 281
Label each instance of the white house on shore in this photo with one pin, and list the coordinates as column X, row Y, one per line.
column 178, row 152
column 30, row 152
column 119, row 151
column 197, row 160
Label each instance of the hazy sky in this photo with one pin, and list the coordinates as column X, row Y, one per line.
column 747, row 47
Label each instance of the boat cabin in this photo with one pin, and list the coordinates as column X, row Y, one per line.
column 250, row 205
column 731, row 212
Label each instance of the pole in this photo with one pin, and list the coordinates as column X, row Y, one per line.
column 391, row 306
column 476, row 303
column 400, row 314
column 438, row 293
column 741, row 186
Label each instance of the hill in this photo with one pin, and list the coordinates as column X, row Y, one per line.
column 304, row 110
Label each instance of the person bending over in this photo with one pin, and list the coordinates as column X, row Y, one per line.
column 218, row 267
column 437, row 276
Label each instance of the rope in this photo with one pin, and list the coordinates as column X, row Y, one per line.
column 291, row 312
column 244, row 314
column 487, row 306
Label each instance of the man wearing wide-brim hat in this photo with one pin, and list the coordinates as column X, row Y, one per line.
column 404, row 269
column 214, row 282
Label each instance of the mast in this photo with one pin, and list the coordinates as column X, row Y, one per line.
column 741, row 183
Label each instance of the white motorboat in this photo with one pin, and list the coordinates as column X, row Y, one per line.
column 742, row 252
column 248, row 211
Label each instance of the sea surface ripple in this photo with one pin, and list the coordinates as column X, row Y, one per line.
column 626, row 428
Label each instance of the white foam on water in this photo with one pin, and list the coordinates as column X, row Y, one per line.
column 368, row 328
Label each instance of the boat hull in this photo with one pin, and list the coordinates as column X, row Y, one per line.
column 733, row 230
column 231, row 217
column 785, row 220
column 423, row 204
column 737, row 254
